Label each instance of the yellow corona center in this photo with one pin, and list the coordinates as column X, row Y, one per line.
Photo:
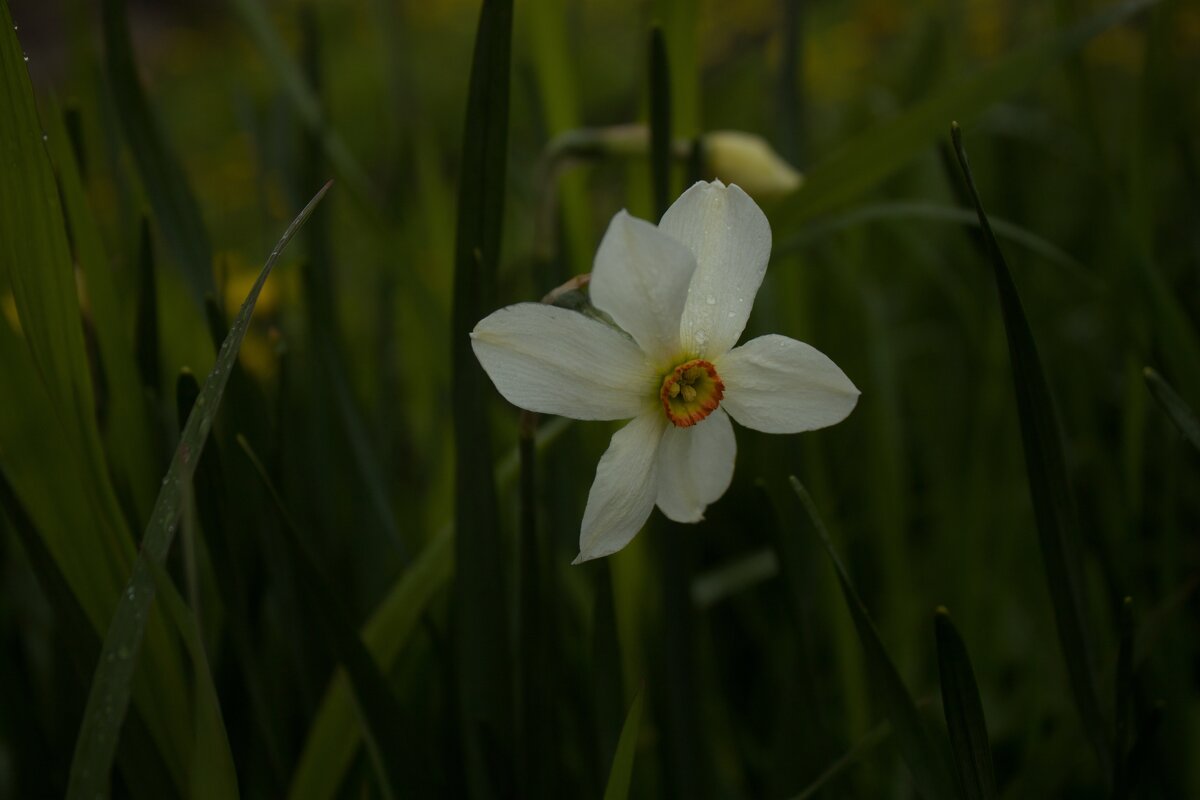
column 691, row 392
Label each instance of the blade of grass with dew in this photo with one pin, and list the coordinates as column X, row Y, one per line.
column 212, row 772
column 863, row 162
column 480, row 618
column 162, row 175
column 964, row 712
column 1054, row 509
column 333, row 739
column 34, row 250
column 621, row 774
column 1176, row 407
column 127, row 437
column 380, row 713
column 925, row 763
column 108, row 699
column 257, row 24
column 35, row 261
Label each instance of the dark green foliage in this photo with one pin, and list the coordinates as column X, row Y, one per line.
column 381, row 602
column 964, row 712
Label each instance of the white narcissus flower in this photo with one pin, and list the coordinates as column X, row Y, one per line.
column 681, row 292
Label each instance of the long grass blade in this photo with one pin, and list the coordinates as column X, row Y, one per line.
column 964, row 712
column 863, row 162
column 925, row 763
column 33, row 241
column 622, row 767
column 108, row 699
column 480, row 618
column 1054, row 509
column 35, row 259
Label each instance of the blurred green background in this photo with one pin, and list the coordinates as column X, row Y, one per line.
column 181, row 138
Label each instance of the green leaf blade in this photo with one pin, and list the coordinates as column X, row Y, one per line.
column 964, row 712
column 1049, row 488
column 621, row 775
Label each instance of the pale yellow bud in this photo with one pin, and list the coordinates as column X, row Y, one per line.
column 747, row 160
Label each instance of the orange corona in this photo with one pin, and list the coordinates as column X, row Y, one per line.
column 691, row 392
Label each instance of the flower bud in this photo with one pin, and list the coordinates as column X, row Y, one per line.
column 747, row 160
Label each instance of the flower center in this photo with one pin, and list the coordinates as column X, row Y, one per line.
column 691, row 392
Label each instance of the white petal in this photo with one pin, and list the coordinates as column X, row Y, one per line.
column 622, row 495
column 731, row 240
column 640, row 279
column 779, row 385
column 695, row 466
column 555, row 361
